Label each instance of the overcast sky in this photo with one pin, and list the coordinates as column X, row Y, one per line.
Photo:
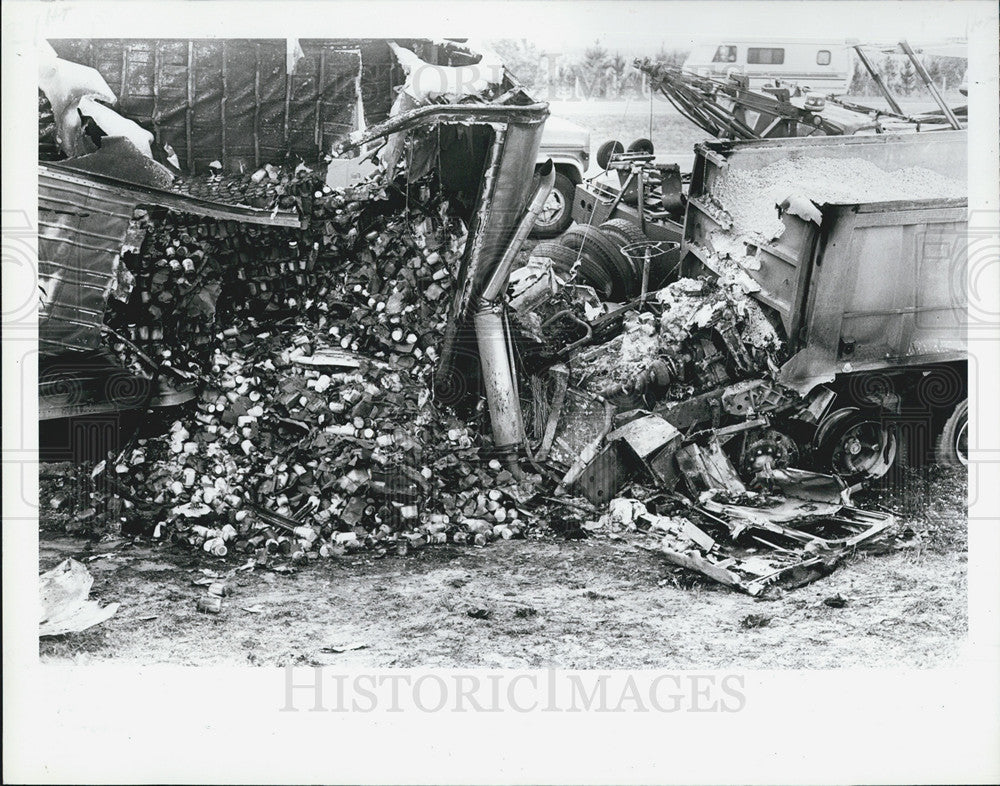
column 636, row 27
column 567, row 26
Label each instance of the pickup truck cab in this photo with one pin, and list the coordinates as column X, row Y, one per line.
column 568, row 145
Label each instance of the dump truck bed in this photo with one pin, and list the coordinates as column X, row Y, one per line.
column 857, row 281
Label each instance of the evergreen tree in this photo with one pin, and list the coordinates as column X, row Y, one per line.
column 933, row 66
column 591, row 72
column 907, row 78
column 889, row 71
column 862, row 83
column 671, row 56
column 619, row 73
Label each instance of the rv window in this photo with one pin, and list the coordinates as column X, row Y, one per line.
column 725, row 54
column 823, row 57
column 762, row 56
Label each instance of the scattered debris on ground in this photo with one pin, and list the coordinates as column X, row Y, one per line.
column 64, row 595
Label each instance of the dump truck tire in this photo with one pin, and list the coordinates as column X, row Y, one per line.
column 623, row 232
column 856, row 445
column 591, row 270
column 557, row 213
column 606, row 254
column 563, row 258
column 952, row 444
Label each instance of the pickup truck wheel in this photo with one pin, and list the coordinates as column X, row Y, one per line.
column 557, row 212
column 641, row 145
column 953, row 443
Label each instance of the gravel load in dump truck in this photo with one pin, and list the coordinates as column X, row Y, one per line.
column 749, row 196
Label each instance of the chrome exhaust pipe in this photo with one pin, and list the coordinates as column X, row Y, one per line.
column 493, row 339
column 497, row 282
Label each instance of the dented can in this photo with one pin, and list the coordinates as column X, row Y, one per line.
column 210, row 604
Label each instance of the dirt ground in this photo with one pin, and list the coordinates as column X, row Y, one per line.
column 597, row 603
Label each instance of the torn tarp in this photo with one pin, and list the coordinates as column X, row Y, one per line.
column 66, row 85
column 63, row 593
column 426, row 82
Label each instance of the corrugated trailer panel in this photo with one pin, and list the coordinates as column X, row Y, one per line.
column 83, row 218
column 234, row 100
column 81, row 229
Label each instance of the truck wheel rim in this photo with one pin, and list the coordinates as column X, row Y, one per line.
column 552, row 209
column 862, row 450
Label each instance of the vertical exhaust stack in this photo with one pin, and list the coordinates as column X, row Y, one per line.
column 493, row 336
column 505, row 136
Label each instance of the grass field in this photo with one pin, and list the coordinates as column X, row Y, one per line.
column 672, row 134
column 629, row 120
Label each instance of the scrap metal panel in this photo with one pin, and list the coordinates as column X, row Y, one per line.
column 81, row 227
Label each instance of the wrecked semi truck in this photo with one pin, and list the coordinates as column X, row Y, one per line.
column 817, row 316
column 372, row 375
column 814, row 332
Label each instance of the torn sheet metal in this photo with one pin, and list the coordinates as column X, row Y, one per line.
column 750, row 572
column 603, row 476
column 707, row 468
column 119, row 158
column 63, row 593
column 427, row 82
column 581, row 422
column 646, row 435
column 653, row 443
column 753, row 553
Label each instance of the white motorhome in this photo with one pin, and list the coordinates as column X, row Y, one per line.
column 820, row 65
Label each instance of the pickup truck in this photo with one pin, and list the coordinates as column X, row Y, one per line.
column 568, row 146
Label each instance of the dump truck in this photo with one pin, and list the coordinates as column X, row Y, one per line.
column 648, row 200
column 866, row 284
